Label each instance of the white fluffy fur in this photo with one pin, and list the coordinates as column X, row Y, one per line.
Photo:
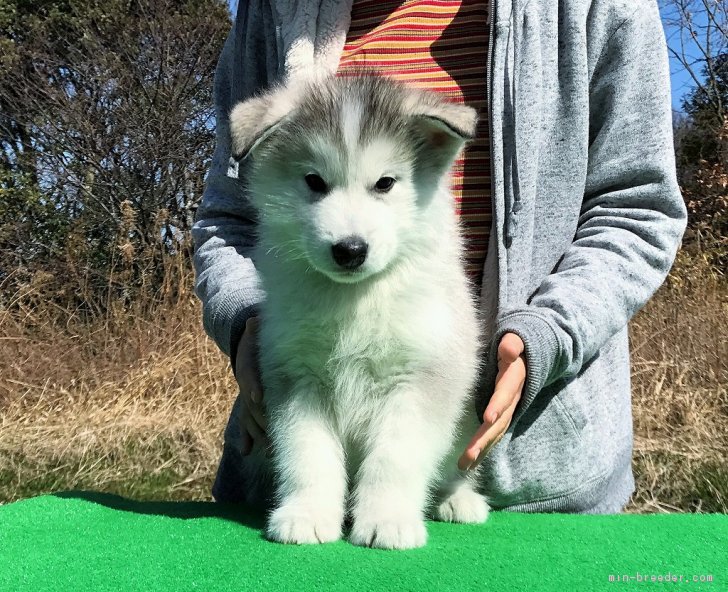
column 367, row 379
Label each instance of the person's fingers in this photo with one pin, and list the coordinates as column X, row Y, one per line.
column 506, row 396
column 485, row 438
column 478, row 443
column 510, row 348
column 246, row 365
column 248, row 382
column 252, row 432
column 258, row 413
column 508, row 382
column 492, row 411
column 256, row 433
column 493, row 434
column 509, row 385
column 247, row 441
column 486, row 449
column 253, row 420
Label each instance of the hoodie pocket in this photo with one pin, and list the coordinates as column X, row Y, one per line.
column 552, row 412
column 543, row 456
column 575, row 433
column 571, row 408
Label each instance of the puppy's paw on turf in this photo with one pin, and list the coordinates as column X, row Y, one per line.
column 297, row 524
column 464, row 505
column 389, row 533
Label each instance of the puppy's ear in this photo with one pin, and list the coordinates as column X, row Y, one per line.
column 442, row 128
column 255, row 119
column 449, row 119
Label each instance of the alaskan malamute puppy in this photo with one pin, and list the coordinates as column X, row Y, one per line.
column 369, row 343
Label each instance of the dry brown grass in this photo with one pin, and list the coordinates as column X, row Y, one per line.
column 127, row 405
column 680, row 393
column 137, row 407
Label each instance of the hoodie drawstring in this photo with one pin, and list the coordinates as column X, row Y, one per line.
column 512, row 213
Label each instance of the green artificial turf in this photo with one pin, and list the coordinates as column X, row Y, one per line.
column 95, row 542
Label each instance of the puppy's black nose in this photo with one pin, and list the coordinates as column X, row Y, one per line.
column 350, row 253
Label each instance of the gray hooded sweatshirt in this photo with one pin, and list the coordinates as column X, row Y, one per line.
column 587, row 217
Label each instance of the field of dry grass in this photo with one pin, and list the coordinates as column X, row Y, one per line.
column 680, row 393
column 137, row 407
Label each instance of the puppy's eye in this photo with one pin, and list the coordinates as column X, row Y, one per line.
column 316, row 183
column 384, row 184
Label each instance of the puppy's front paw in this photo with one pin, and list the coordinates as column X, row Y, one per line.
column 301, row 524
column 464, row 505
column 389, row 532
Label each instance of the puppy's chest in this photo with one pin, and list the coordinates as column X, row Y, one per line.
column 358, row 349
column 349, row 358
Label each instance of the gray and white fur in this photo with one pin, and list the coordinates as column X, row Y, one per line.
column 369, row 339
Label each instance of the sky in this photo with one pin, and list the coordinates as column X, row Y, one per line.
column 681, row 82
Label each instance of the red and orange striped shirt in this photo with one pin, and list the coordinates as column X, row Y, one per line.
column 441, row 45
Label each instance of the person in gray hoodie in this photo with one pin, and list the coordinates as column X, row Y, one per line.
column 587, row 218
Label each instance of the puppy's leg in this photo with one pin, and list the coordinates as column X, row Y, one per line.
column 404, row 446
column 310, row 472
column 459, row 501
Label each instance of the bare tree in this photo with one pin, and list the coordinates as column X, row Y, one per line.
column 106, row 133
column 697, row 31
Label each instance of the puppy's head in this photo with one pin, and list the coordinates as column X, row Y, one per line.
column 342, row 169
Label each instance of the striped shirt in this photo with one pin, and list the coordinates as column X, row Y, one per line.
column 441, row 45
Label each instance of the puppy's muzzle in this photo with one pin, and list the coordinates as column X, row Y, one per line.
column 350, row 253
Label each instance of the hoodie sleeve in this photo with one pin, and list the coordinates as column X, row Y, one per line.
column 227, row 282
column 632, row 218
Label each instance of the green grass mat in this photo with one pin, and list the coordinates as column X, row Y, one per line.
column 95, row 542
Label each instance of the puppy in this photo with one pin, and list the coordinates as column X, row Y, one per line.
column 369, row 338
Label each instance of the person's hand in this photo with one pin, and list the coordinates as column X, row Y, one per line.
column 497, row 416
column 248, row 377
